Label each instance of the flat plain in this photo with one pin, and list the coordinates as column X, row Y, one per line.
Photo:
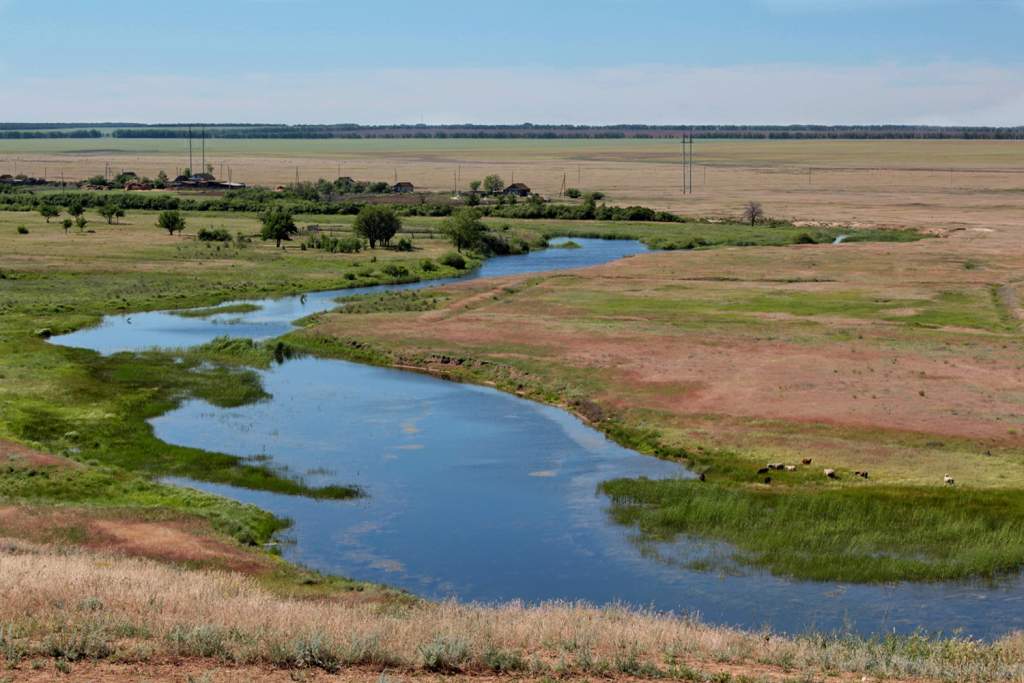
column 924, row 183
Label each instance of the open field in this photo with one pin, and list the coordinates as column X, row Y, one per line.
column 900, row 358
column 920, row 183
column 104, row 617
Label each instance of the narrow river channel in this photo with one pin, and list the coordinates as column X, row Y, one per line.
column 480, row 495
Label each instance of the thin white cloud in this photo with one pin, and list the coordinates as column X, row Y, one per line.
column 941, row 93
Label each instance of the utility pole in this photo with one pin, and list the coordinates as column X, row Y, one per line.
column 691, row 163
column 204, row 148
column 190, row 170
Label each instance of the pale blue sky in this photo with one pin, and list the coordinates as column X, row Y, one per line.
column 594, row 61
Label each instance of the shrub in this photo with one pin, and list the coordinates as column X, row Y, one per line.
column 443, row 655
column 334, row 245
column 404, row 244
column 213, row 235
column 453, row 260
column 395, row 270
column 22, row 230
column 573, row 193
column 805, row 238
column 427, row 266
column 171, row 221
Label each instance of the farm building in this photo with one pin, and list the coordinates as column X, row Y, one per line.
column 403, row 186
column 518, row 189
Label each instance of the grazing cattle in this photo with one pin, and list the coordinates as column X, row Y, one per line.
column 862, row 474
column 767, row 480
column 830, row 473
column 791, row 468
column 776, row 465
column 806, row 461
column 702, row 477
column 763, row 470
column 948, row 480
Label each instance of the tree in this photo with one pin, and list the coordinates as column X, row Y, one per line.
column 76, row 208
column 493, row 184
column 109, row 211
column 474, row 185
column 161, row 180
column 752, row 213
column 464, row 229
column 81, row 223
column 66, row 224
column 119, row 213
column 48, row 211
column 278, row 224
column 171, row 221
column 377, row 223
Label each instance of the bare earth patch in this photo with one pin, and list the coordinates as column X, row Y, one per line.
column 176, row 541
column 17, row 454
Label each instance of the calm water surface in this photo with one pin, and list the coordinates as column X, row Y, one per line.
column 480, row 495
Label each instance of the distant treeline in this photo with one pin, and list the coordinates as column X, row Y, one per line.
column 511, row 131
column 34, row 134
column 261, row 199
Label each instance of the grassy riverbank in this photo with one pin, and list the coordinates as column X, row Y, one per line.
column 94, row 409
column 895, row 360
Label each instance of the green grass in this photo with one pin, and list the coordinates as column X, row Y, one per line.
column 216, row 310
column 837, row 533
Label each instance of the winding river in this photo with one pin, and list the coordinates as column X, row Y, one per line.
column 480, row 495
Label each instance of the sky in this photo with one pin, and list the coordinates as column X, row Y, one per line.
column 942, row 62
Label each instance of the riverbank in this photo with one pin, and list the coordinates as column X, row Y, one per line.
column 812, row 354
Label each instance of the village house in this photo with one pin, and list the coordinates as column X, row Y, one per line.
column 518, row 190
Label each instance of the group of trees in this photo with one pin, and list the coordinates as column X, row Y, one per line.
column 75, row 209
column 110, row 211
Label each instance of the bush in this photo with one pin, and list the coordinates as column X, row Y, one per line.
column 443, row 655
column 453, row 260
column 404, row 245
column 22, row 230
column 213, row 235
column 395, row 270
column 334, row 245
column 573, row 193
column 805, row 238
column 427, row 266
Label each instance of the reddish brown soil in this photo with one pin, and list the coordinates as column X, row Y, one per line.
column 16, row 454
column 178, row 541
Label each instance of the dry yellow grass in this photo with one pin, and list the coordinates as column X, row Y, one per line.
column 84, row 606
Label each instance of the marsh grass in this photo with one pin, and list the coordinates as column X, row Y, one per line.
column 391, row 302
column 94, row 607
column 837, row 533
column 216, row 310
